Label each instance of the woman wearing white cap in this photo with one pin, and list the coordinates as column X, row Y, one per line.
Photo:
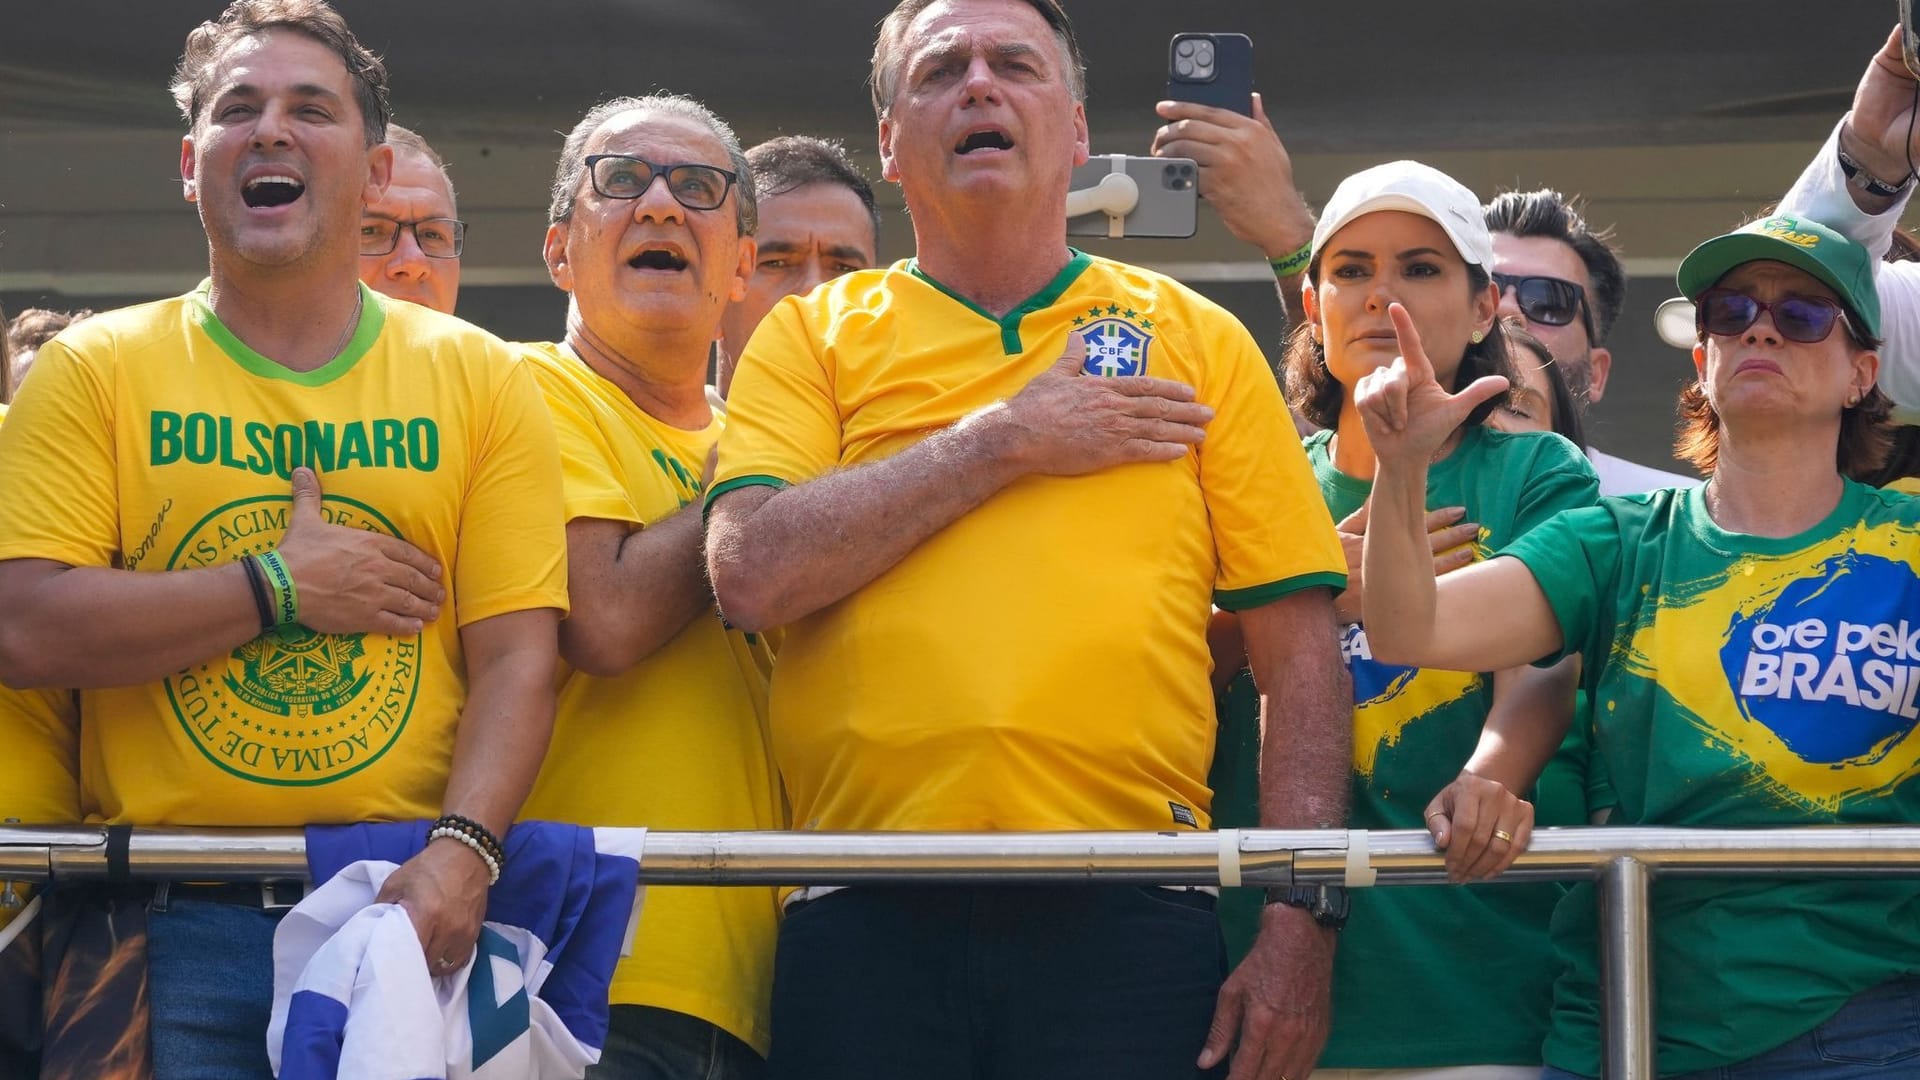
column 1753, row 656
column 1421, row 972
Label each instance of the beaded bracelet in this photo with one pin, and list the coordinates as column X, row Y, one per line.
column 286, row 603
column 477, row 831
column 449, row 833
column 1292, row 264
column 257, row 582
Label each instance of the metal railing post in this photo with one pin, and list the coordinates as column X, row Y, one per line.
column 1626, row 971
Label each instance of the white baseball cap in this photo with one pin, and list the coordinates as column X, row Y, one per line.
column 1415, row 189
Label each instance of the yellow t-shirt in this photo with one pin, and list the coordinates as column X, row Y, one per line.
column 684, row 730
column 40, row 773
column 152, row 439
column 1040, row 663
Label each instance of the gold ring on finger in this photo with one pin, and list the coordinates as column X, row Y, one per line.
column 1502, row 834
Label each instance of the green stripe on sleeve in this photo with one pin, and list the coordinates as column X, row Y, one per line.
column 735, row 484
column 1254, row 596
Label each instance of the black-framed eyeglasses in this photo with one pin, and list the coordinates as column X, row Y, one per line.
column 438, row 237
column 692, row 185
column 1806, row 319
column 1549, row 301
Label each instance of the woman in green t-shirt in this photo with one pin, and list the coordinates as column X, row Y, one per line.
column 1407, row 233
column 1753, row 655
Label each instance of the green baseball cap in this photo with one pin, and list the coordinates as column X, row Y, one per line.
column 1839, row 263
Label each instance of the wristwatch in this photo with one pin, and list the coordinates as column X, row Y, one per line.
column 1859, row 177
column 1328, row 904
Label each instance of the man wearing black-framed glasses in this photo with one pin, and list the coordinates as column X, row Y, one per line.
column 659, row 723
column 1567, row 281
column 411, row 236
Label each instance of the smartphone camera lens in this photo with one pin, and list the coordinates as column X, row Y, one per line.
column 1183, row 66
column 1203, row 53
column 1178, row 177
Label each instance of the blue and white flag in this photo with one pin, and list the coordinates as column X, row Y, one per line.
column 352, row 994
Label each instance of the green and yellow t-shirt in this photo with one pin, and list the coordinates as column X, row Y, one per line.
column 684, row 729
column 1463, row 953
column 1040, row 663
column 1743, row 682
column 152, row 439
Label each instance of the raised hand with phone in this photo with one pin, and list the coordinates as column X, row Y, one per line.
column 1877, row 138
column 1214, row 117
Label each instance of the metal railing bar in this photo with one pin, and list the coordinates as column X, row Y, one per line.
column 1268, row 857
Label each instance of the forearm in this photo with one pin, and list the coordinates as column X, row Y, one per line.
column 1397, row 565
column 811, row 545
column 91, row 627
column 1532, row 710
column 507, row 721
column 1306, row 706
column 631, row 591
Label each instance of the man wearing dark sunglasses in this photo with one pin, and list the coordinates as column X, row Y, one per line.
column 411, row 236
column 1567, row 282
column 650, row 236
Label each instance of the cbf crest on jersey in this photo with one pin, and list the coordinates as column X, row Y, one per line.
column 1117, row 340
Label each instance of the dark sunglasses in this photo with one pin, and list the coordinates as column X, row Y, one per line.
column 1806, row 319
column 1548, row 301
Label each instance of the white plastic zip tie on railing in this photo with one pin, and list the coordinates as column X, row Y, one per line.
column 1360, row 871
column 1229, row 858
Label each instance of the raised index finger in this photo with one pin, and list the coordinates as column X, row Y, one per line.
column 1419, row 368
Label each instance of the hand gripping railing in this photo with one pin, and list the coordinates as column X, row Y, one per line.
column 1625, row 860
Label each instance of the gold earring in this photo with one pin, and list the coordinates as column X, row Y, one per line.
column 1479, row 336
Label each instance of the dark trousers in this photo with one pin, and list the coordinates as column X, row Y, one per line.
column 645, row 1043
column 995, row 983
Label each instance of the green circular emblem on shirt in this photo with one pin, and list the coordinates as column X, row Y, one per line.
column 292, row 706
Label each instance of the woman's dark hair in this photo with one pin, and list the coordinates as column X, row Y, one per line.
column 1315, row 394
column 1566, row 415
column 1903, row 457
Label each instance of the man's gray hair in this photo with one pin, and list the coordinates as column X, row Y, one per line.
column 407, row 140
column 572, row 168
column 885, row 76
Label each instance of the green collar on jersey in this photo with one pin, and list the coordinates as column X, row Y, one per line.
column 1040, row 301
column 373, row 316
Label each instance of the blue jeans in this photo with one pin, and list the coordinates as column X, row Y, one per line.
column 1875, row 1034
column 1019, row 982
column 645, row 1043
column 210, row 989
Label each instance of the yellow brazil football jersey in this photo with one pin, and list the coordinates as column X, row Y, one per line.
column 151, row 439
column 1042, row 662
column 677, row 742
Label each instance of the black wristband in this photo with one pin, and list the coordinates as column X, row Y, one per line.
column 257, row 581
column 1858, row 176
